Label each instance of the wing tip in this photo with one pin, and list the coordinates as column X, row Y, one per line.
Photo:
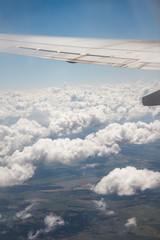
column 152, row 99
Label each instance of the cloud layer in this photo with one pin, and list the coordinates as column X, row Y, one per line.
column 70, row 124
column 127, row 181
column 21, row 164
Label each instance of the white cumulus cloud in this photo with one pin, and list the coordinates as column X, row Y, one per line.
column 20, row 165
column 16, row 174
column 127, row 181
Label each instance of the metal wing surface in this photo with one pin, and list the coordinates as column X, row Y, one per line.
column 118, row 53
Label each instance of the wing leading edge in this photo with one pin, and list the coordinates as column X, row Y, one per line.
column 137, row 54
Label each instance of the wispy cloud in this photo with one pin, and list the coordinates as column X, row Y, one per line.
column 91, row 165
column 103, row 207
column 51, row 222
column 24, row 214
column 131, row 223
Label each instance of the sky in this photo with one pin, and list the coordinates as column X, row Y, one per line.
column 126, row 19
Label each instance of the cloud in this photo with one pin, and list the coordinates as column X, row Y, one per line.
column 91, row 165
column 127, row 181
column 131, row 223
column 21, row 134
column 51, row 222
column 62, row 151
column 92, row 106
column 23, row 215
column 104, row 142
column 102, row 206
column 32, row 236
column 16, row 174
column 130, row 132
column 71, row 124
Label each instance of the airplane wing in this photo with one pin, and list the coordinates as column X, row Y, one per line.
column 118, row 53
column 137, row 54
column 152, row 99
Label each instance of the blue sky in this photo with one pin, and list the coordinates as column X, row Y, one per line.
column 128, row 19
